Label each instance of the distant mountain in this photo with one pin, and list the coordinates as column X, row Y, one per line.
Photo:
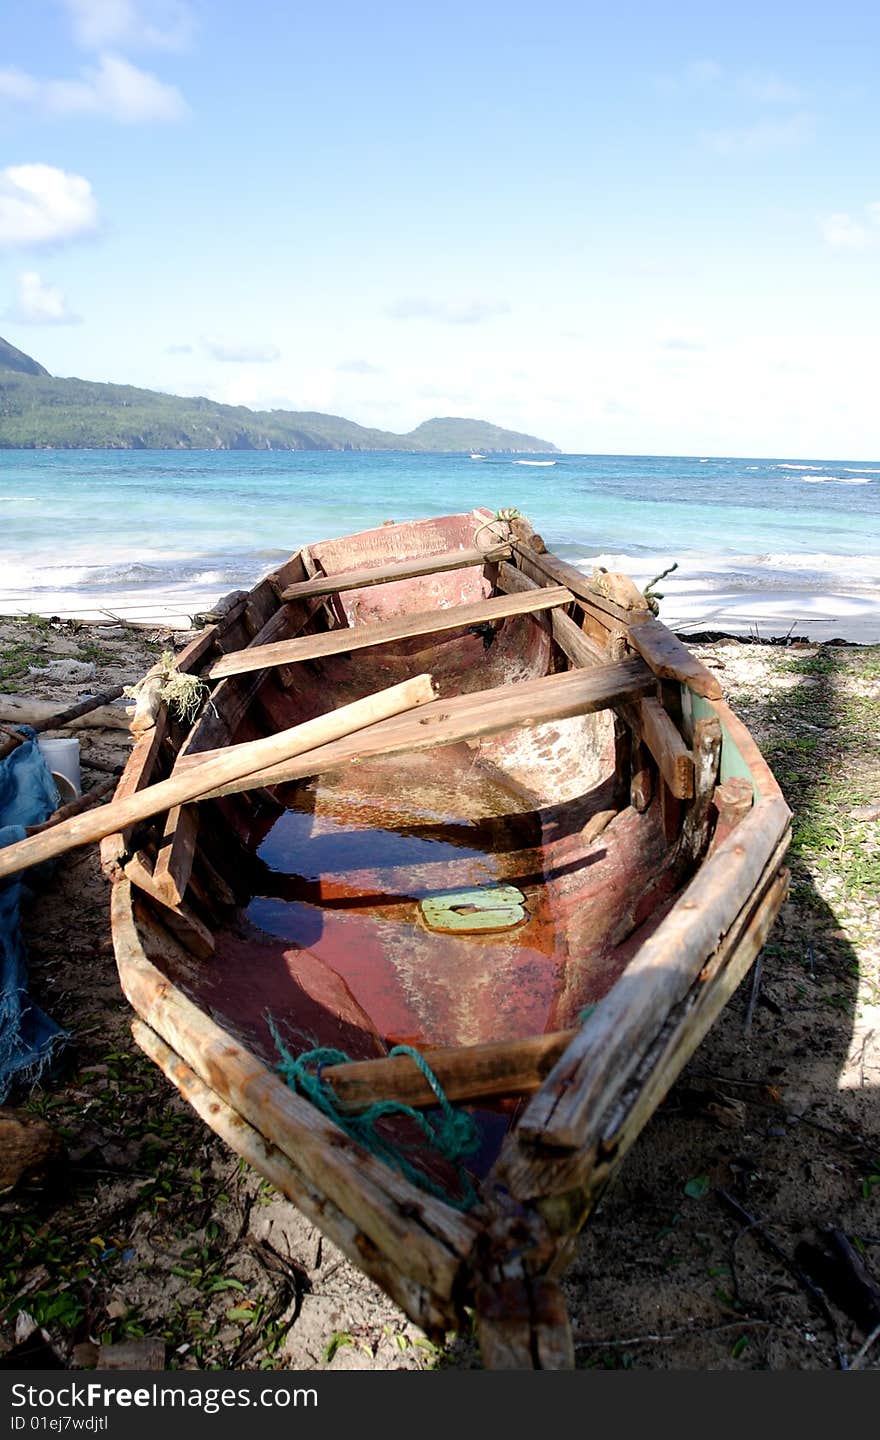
column 12, row 359
column 39, row 411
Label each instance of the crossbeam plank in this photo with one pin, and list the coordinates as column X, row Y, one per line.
column 466, row 1073
column 401, row 627
column 464, row 717
column 396, row 570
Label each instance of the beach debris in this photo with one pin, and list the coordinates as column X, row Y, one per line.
column 221, row 608
column 146, row 1353
column 63, row 671
column 95, row 712
column 30, row 1150
column 839, row 1269
column 32, row 1348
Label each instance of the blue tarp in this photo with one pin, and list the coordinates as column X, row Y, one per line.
column 28, row 1037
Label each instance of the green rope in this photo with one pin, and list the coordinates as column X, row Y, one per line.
column 452, row 1138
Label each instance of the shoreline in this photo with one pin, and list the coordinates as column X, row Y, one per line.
column 762, row 614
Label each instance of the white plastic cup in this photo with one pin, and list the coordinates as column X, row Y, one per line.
column 62, row 757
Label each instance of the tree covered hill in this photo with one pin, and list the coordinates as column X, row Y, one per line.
column 41, row 411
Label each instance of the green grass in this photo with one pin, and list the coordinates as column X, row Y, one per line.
column 16, row 660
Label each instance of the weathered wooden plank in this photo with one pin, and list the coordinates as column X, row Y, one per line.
column 671, row 660
column 694, row 837
column 649, row 721
column 733, row 800
column 522, row 1324
column 177, row 849
column 586, row 589
column 341, row 641
column 469, row 1072
column 465, row 717
column 421, row 1305
column 580, row 647
column 232, row 697
column 674, row 759
column 142, row 765
column 398, row 570
column 609, row 1044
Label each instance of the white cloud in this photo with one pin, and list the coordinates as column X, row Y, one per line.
column 114, row 87
column 135, row 24
column 762, row 137
column 844, row 233
column 41, row 205
column 682, row 342
column 178, row 349
column 462, row 312
column 841, row 232
column 770, row 89
column 704, row 73
column 237, row 352
column 40, row 303
column 359, row 367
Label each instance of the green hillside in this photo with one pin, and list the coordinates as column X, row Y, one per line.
column 41, row 411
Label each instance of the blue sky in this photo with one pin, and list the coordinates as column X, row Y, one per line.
column 632, row 228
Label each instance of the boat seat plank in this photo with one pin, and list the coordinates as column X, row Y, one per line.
column 400, row 627
column 464, row 717
column 397, row 570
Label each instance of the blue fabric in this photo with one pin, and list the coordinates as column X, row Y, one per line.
column 28, row 1038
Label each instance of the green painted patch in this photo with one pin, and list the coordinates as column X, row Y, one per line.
column 495, row 907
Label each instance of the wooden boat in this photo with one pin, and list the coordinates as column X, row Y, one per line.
column 547, row 882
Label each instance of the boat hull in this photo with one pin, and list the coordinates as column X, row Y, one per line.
column 551, row 882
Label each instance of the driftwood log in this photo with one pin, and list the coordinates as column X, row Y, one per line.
column 29, row 1148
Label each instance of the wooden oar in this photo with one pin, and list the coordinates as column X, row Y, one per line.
column 233, row 764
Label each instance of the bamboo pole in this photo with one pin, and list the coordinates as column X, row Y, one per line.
column 229, row 766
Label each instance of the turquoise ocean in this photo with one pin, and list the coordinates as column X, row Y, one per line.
column 156, row 534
